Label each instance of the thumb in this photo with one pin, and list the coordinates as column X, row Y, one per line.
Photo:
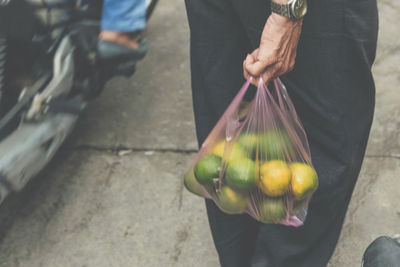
column 255, row 68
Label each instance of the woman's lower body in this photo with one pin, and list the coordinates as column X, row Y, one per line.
column 333, row 91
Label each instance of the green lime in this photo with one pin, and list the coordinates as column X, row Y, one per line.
column 207, row 168
column 249, row 143
column 272, row 210
column 275, row 144
column 240, row 174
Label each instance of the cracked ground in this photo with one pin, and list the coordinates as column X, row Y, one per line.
column 113, row 195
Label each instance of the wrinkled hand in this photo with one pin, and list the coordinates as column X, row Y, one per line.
column 277, row 52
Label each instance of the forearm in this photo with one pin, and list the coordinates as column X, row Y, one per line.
column 277, row 51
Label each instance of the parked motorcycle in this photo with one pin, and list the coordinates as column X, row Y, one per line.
column 49, row 71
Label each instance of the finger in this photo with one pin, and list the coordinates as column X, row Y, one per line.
column 261, row 63
column 271, row 73
column 256, row 68
column 250, row 59
column 253, row 66
column 246, row 75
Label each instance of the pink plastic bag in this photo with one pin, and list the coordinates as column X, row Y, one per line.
column 256, row 160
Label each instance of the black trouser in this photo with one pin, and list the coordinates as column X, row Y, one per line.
column 333, row 92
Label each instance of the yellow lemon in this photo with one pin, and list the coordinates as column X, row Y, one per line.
column 275, row 178
column 304, row 180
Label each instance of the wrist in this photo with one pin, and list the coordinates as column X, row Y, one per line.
column 279, row 19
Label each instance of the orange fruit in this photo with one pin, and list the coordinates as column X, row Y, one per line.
column 275, row 178
column 304, row 180
column 234, row 152
column 232, row 201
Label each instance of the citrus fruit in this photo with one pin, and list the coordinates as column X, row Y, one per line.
column 275, row 144
column 240, row 174
column 275, row 178
column 236, row 151
column 207, row 168
column 272, row 210
column 191, row 184
column 304, row 179
column 232, row 201
column 249, row 143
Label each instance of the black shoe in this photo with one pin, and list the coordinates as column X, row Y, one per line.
column 383, row 252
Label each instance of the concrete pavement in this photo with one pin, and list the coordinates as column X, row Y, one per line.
column 100, row 206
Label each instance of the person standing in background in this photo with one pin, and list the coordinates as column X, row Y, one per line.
column 121, row 22
column 324, row 58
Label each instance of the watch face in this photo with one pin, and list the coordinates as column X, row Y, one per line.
column 299, row 8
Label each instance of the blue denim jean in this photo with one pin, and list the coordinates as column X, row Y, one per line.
column 124, row 15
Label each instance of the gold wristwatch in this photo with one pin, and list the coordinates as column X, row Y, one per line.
column 294, row 9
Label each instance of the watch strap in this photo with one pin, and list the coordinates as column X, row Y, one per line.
column 281, row 9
